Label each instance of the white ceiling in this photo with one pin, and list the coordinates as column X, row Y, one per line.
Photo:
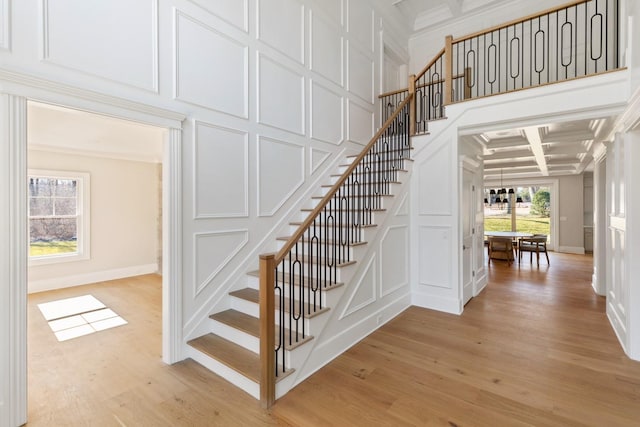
column 422, row 14
column 58, row 129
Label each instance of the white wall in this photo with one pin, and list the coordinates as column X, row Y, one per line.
column 571, row 214
column 124, row 220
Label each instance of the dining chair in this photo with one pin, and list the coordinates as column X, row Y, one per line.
column 501, row 248
column 537, row 243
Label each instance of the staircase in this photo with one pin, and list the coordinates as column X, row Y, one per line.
column 266, row 330
column 232, row 347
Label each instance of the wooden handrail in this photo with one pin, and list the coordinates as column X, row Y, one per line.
column 394, row 92
column 334, row 189
column 448, row 70
column 433, row 61
column 519, row 20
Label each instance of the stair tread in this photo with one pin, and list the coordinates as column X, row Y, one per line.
column 408, row 159
column 298, row 223
column 232, row 355
column 365, row 172
column 253, row 295
column 251, row 325
column 373, row 182
column 348, row 210
column 358, row 196
column 256, row 273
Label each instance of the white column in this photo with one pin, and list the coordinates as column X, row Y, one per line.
column 13, row 260
column 632, row 241
column 172, row 324
column 600, row 224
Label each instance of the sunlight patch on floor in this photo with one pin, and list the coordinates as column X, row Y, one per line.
column 75, row 317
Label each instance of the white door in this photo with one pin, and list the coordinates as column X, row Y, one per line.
column 467, row 207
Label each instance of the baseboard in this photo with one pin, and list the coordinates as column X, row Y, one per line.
column 433, row 302
column 571, row 250
column 93, row 277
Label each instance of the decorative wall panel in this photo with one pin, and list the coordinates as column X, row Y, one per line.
column 235, row 12
column 211, row 68
column 317, row 158
column 434, row 175
column 213, row 251
column 326, row 50
column 5, row 25
column 333, row 8
column 434, row 253
column 281, row 25
column 365, row 290
column 403, row 208
column 281, row 101
column 361, row 22
column 394, row 259
column 361, row 123
column 327, row 114
column 79, row 35
column 361, row 69
column 280, row 173
column 221, row 172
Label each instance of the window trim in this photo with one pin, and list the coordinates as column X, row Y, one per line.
column 83, row 215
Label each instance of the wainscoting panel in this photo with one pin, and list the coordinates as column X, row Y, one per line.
column 281, row 100
column 361, row 121
column 281, row 26
column 327, row 114
column 220, row 172
column 434, row 253
column 77, row 34
column 361, row 22
column 317, row 158
column 326, row 49
column 211, row 69
column 361, row 74
column 5, row 25
column 213, row 250
column 280, row 173
column 434, row 176
column 234, row 12
column 394, row 259
column 365, row 290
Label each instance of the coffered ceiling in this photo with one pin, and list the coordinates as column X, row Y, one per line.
column 422, row 14
column 564, row 148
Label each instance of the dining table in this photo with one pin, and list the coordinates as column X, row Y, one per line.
column 508, row 234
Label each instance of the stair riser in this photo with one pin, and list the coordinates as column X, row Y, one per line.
column 330, row 298
column 366, row 233
column 355, row 252
column 225, row 372
column 366, row 177
column 341, row 272
column 253, row 309
column 393, row 189
column 237, row 336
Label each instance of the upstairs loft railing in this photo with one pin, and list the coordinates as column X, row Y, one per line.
column 571, row 41
column 293, row 281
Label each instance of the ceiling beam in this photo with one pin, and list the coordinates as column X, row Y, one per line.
column 535, row 141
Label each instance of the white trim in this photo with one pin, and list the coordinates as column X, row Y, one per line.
column 571, row 250
column 134, row 157
column 92, row 277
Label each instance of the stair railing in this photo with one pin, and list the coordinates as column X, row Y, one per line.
column 574, row 40
column 293, row 281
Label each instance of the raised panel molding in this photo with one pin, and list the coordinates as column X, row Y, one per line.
column 71, row 39
column 281, row 26
column 434, row 174
column 211, row 69
column 220, row 172
column 361, row 20
column 280, row 173
column 434, row 253
column 234, row 12
column 317, row 157
column 327, row 114
column 360, row 123
column 212, row 251
column 334, row 9
column 281, row 100
column 361, row 74
column 5, row 25
column 403, row 208
column 327, row 50
column 394, row 259
column 365, row 290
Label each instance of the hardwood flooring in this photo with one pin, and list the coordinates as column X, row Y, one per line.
column 535, row 348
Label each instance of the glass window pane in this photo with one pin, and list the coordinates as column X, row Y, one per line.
column 41, row 187
column 53, row 229
column 65, row 188
column 65, row 206
column 40, row 207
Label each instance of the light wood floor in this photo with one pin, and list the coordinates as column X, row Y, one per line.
column 535, row 348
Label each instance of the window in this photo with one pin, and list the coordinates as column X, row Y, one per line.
column 58, row 216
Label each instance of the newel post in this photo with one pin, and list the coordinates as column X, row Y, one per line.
column 448, row 71
column 412, row 104
column 267, row 331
